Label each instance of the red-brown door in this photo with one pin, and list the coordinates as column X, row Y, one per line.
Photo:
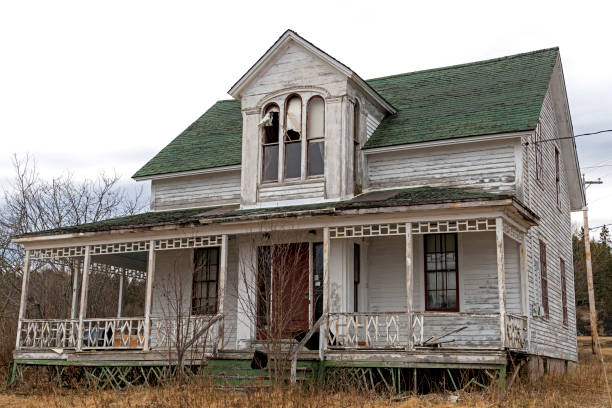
column 283, row 272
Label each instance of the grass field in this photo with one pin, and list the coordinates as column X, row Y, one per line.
column 584, row 387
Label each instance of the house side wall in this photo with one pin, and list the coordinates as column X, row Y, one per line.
column 548, row 336
column 485, row 165
column 195, row 191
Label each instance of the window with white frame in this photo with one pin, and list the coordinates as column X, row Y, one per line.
column 290, row 150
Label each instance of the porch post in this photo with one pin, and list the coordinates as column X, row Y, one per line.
column 75, row 291
column 324, row 327
column 310, row 286
column 501, row 285
column 409, row 280
column 83, row 306
column 120, row 300
column 24, row 296
column 221, row 289
column 149, row 294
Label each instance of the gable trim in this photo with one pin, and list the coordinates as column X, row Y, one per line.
column 292, row 35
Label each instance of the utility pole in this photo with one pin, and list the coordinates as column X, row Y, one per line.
column 589, row 273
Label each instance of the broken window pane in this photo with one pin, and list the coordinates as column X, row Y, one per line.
column 316, row 153
column 294, row 115
column 271, row 127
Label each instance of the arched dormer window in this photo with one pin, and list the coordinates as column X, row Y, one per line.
column 293, row 137
column 316, row 136
column 271, row 130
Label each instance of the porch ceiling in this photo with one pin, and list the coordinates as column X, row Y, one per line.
column 416, row 196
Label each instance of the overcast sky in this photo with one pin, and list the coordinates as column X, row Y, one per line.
column 102, row 86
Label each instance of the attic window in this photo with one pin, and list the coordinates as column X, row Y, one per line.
column 293, row 139
column 316, row 136
column 270, row 125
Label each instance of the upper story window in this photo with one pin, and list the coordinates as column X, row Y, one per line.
column 271, row 130
column 293, row 137
column 538, row 151
column 316, row 136
column 290, row 149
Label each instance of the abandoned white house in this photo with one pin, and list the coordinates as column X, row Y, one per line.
column 428, row 215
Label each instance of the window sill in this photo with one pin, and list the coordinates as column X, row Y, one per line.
column 292, row 182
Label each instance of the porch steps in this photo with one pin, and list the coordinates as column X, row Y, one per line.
column 239, row 376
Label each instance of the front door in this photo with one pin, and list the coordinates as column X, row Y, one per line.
column 282, row 301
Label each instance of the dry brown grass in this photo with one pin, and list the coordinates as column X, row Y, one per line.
column 584, row 387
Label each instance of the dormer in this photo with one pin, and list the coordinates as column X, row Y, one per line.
column 305, row 119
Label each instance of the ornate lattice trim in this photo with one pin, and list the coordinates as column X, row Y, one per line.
column 117, row 270
column 64, row 252
column 425, row 227
column 188, row 242
column 122, row 247
column 127, row 247
column 367, row 230
column 476, row 225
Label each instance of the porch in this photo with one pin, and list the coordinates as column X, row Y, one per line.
column 410, row 335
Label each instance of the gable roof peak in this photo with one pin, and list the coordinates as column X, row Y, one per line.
column 290, row 35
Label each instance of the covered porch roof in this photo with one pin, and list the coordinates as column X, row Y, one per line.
column 374, row 201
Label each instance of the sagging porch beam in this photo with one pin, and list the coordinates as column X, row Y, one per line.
column 149, row 295
column 84, row 288
column 501, row 282
column 24, row 296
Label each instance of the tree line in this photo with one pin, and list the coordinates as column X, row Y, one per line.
column 601, row 259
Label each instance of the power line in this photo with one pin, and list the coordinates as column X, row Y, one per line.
column 597, row 227
column 569, row 137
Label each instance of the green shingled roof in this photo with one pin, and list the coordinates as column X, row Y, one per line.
column 214, row 140
column 486, row 97
column 375, row 199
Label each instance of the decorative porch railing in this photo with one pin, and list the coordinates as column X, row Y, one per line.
column 398, row 330
column 113, row 333
column 48, row 333
column 367, row 330
column 516, row 332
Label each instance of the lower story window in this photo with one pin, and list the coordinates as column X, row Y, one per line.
column 205, row 275
column 441, row 273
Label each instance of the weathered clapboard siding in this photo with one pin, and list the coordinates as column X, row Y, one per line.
column 173, row 284
column 196, row 191
column 548, row 336
column 478, row 273
column 488, row 166
column 293, row 66
column 478, row 291
column 292, row 191
column 512, row 277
